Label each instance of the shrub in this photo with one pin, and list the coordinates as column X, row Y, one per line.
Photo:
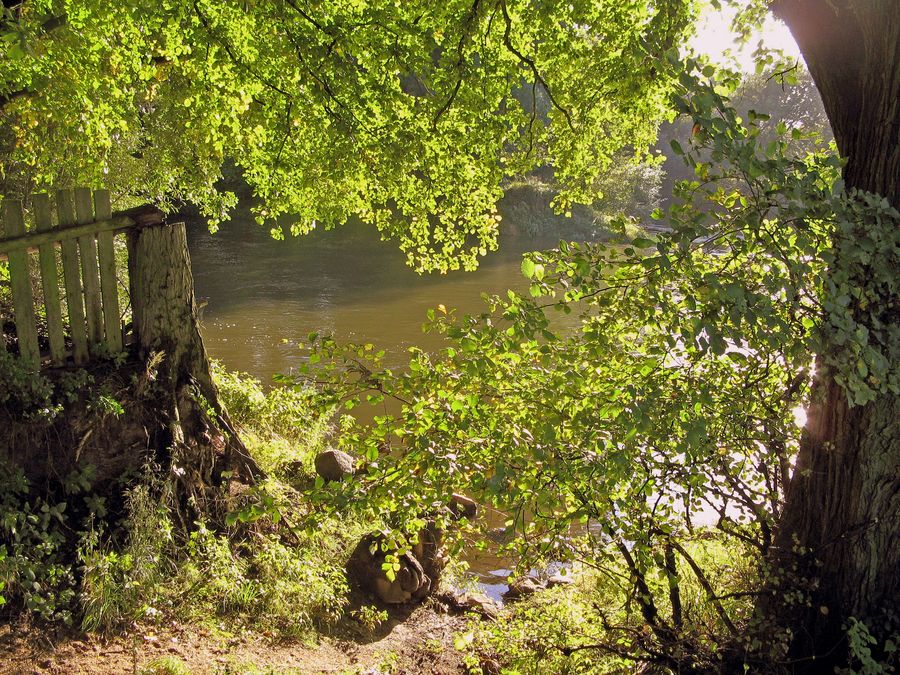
column 280, row 426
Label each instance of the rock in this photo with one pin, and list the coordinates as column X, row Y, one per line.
column 334, row 464
column 463, row 507
column 478, row 603
column 560, row 579
column 430, row 552
column 417, row 576
column 523, row 586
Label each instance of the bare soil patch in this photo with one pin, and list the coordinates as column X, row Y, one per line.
column 414, row 640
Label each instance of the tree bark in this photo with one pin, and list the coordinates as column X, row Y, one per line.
column 195, row 434
column 839, row 537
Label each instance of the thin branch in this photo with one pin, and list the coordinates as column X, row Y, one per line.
column 507, row 40
column 704, row 582
column 460, row 59
column 308, row 18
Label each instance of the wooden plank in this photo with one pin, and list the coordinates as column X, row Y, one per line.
column 43, row 217
column 134, row 291
column 33, row 240
column 20, row 282
column 65, row 206
column 90, row 271
column 108, row 282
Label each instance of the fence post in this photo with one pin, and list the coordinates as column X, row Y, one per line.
column 90, row 271
column 43, row 218
column 20, row 281
column 108, row 290
column 65, row 206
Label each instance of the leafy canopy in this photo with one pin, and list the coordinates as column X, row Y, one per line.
column 635, row 408
column 407, row 115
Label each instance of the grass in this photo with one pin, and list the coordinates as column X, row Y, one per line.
column 254, row 574
column 280, row 426
column 594, row 625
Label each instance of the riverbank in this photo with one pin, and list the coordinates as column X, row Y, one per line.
column 412, row 640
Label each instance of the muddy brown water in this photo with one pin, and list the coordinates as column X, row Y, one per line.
column 263, row 297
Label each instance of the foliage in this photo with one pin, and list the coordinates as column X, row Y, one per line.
column 408, row 116
column 286, row 586
column 120, row 585
column 284, row 579
column 23, row 394
column 787, row 96
column 582, row 627
column 639, row 393
column 369, row 617
column 280, row 425
column 65, row 555
column 861, row 644
column 39, row 398
column 626, row 188
column 35, row 544
column 263, row 581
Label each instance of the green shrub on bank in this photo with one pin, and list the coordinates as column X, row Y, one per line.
column 595, row 625
column 280, row 426
column 285, row 584
column 62, row 558
column 280, row 579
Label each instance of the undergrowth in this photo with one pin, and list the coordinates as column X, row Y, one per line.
column 594, row 625
column 281, row 426
column 64, row 559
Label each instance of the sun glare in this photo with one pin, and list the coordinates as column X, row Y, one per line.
column 715, row 38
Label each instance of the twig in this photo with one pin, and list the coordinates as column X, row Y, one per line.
column 531, row 65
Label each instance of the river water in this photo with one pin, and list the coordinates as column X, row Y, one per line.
column 265, row 296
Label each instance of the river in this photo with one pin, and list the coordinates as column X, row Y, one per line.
column 264, row 296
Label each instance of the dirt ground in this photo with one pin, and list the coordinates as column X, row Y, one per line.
column 415, row 641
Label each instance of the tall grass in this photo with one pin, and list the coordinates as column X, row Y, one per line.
column 284, row 581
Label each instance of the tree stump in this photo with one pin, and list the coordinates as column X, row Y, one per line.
column 194, row 433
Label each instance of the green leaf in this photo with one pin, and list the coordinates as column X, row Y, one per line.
column 528, row 267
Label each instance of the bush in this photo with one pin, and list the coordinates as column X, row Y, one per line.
column 64, row 558
column 37, row 535
column 260, row 571
column 260, row 580
column 596, row 626
column 280, row 426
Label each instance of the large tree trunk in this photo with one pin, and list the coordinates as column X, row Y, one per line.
column 840, row 531
column 194, row 432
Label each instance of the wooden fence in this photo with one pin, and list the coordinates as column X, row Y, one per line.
column 88, row 322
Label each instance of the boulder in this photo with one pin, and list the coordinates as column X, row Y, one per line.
column 560, row 579
column 521, row 587
column 334, row 465
column 478, row 603
column 418, row 574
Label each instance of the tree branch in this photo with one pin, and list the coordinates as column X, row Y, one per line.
column 507, row 41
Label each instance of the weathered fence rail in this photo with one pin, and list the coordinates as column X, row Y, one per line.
column 88, row 311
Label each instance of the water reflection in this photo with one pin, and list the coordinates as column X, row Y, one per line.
column 263, row 296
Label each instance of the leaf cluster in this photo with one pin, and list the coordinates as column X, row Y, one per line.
column 406, row 115
column 639, row 395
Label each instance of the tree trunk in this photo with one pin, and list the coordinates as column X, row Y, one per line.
column 839, row 537
column 194, row 435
